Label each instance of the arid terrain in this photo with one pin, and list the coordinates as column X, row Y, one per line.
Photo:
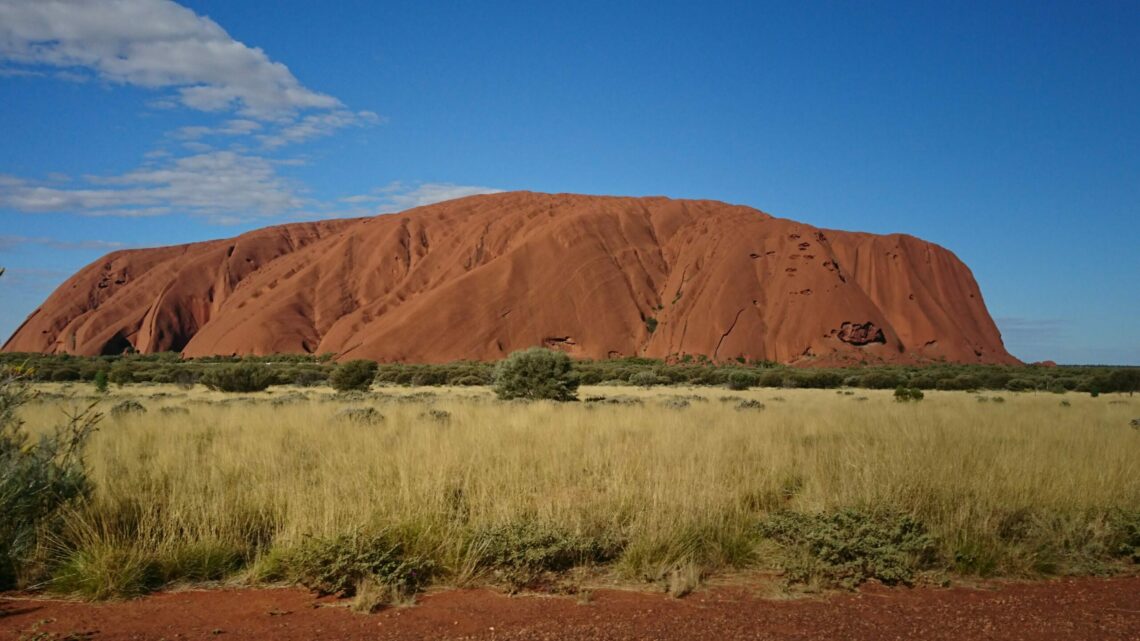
column 1065, row 610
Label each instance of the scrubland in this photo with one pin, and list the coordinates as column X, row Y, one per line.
column 663, row 487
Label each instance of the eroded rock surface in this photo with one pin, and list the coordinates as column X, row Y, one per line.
column 478, row 277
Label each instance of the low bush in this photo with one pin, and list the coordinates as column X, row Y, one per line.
column 360, row 415
column 849, row 547
column 353, row 375
column 340, row 564
column 100, row 382
column 127, row 408
column 905, row 394
column 106, row 572
column 38, row 478
column 1126, row 527
column 519, row 553
column 645, row 378
column 243, row 378
column 201, row 561
column 536, row 374
column 742, row 380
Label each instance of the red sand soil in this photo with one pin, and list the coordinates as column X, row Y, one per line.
column 479, row 277
column 1073, row 609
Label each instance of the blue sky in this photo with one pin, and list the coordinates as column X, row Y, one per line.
column 1008, row 132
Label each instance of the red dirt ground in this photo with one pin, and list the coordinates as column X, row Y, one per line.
column 1071, row 609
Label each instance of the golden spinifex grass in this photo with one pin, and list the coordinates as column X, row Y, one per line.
column 1011, row 487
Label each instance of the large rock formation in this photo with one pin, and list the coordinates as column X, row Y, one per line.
column 479, row 277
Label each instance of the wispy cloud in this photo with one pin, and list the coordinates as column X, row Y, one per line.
column 316, row 126
column 13, row 242
column 221, row 184
column 225, row 169
column 224, row 187
column 156, row 44
column 398, row 196
column 161, row 45
column 234, row 127
column 15, row 72
column 1033, row 331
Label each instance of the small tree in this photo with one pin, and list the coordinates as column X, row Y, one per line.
column 644, row 378
column 243, row 377
column 741, row 380
column 353, row 375
column 904, row 394
column 535, row 374
column 121, row 373
column 100, row 381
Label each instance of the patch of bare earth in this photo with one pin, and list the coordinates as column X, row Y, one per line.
column 1071, row 609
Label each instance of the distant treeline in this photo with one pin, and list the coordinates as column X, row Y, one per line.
column 305, row 370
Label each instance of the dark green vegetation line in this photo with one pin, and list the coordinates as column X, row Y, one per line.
column 292, row 369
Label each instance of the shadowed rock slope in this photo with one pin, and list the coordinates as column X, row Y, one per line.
column 479, row 277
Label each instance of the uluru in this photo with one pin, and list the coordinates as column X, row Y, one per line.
column 478, row 277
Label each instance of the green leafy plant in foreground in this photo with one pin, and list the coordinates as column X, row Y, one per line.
column 519, row 553
column 338, row 565
column 849, row 547
column 38, row 477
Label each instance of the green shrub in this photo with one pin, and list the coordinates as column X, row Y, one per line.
column 651, row 324
column 304, row 377
column 105, row 572
column 535, row 374
column 742, row 380
column 959, row 382
column 904, row 394
column 127, row 408
column 244, row 377
column 100, row 382
column 338, row 565
column 643, row 379
column 881, row 380
column 120, row 373
column 428, row 377
column 849, row 547
column 1020, row 385
column 353, row 375
column 518, row 553
column 360, row 415
column 38, row 479
column 771, row 378
column 1126, row 528
column 201, row 561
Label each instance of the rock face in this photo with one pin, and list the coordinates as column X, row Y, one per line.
column 479, row 277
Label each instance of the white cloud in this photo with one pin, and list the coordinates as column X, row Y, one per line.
column 317, row 125
column 155, row 44
column 235, row 127
column 159, row 44
column 1035, row 331
column 11, row 72
column 397, row 196
column 12, row 242
column 216, row 184
column 222, row 186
